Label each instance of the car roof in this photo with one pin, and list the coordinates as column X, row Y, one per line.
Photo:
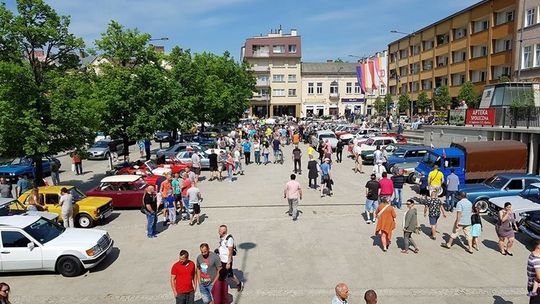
column 120, row 178
column 51, row 189
column 412, row 147
column 513, row 175
column 537, row 185
column 19, row 221
column 382, row 137
column 6, row 201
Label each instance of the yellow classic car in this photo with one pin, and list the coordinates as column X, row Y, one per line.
column 86, row 210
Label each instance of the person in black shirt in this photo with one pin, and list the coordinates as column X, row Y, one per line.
column 150, row 210
column 297, row 156
column 398, row 181
column 339, row 151
column 213, row 160
column 372, row 197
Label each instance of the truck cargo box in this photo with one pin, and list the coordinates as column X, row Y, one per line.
column 486, row 158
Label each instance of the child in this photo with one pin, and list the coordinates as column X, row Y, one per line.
column 476, row 228
column 169, row 204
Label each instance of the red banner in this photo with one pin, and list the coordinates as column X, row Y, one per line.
column 480, row 117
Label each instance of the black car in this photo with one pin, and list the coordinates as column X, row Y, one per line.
column 530, row 224
column 163, row 136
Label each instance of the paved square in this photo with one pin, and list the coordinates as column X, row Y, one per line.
column 282, row 261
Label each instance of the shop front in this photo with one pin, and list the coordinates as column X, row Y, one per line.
column 354, row 106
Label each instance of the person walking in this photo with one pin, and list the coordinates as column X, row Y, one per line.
column 533, row 273
column 4, row 293
column 342, row 294
column 213, row 164
column 293, row 194
column 185, row 185
column 230, row 166
column 463, row 222
column 387, row 187
column 113, row 149
column 326, row 177
column 266, row 152
column 196, row 165
column 257, row 151
column 435, row 179
column 476, row 228
column 452, row 186
column 372, row 198
column 66, row 205
column 410, row 223
column 237, row 163
column 297, row 160
column 398, row 181
column 378, row 170
column 246, row 146
column 208, row 267
column 55, row 173
column 505, row 227
column 77, row 161
column 147, row 148
column 222, row 164
column 184, row 279
column 226, row 251
column 357, row 152
column 150, row 210
column 339, row 151
column 433, row 209
column 23, row 185
column 386, row 222
column 195, row 199
column 313, row 172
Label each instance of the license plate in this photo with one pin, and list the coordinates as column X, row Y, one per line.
column 106, row 214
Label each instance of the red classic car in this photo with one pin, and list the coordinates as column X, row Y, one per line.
column 151, row 172
column 126, row 191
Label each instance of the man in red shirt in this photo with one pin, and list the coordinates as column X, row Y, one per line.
column 183, row 279
column 186, row 184
column 387, row 187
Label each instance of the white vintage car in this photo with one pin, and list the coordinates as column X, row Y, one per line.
column 527, row 201
column 33, row 243
column 374, row 142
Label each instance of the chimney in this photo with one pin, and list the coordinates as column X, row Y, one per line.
column 280, row 31
column 159, row 49
column 294, row 32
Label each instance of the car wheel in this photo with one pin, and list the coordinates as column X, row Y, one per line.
column 411, row 179
column 85, row 221
column 69, row 266
column 442, row 191
column 481, row 205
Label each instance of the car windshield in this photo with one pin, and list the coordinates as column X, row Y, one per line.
column 531, row 193
column 327, row 135
column 101, row 144
column 431, row 159
column 150, row 165
column 44, row 230
column 496, row 182
column 370, row 142
column 76, row 194
column 22, row 161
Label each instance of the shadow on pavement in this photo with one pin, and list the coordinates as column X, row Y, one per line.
column 246, row 247
column 85, row 185
column 108, row 261
column 493, row 245
column 500, row 300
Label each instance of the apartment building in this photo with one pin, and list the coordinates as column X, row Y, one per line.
column 475, row 44
column 527, row 42
column 276, row 63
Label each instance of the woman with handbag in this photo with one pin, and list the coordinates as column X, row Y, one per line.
column 505, row 229
column 386, row 222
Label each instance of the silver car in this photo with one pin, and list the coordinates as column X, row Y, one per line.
column 185, row 157
column 174, row 149
column 101, row 149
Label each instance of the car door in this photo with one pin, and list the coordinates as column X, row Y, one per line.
column 51, row 201
column 111, row 190
column 205, row 162
column 120, row 146
column 419, row 155
column 16, row 255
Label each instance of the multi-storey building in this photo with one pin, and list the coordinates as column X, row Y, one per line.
column 474, row 45
column 275, row 60
column 527, row 63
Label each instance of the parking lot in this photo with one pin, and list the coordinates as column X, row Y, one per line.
column 279, row 260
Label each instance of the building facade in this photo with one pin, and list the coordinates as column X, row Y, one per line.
column 276, row 63
column 527, row 42
column 475, row 44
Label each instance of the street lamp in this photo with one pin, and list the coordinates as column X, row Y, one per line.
column 404, row 33
column 158, row 39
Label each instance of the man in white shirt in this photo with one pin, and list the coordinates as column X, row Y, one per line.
column 225, row 251
column 342, row 293
column 196, row 164
column 357, row 151
column 237, row 163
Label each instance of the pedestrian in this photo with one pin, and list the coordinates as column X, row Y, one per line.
column 310, row 151
column 339, row 151
column 326, row 177
column 246, row 146
column 23, row 184
column 150, row 210
column 410, row 224
column 6, row 190
column 140, row 144
column 208, row 267
column 463, row 221
column 297, row 159
column 357, row 152
column 237, row 164
column 505, row 227
column 387, row 187
column 452, row 185
column 435, row 179
column 321, row 151
column 226, row 251
column 66, row 205
column 378, row 170
column 196, row 165
column 386, row 222
column 164, row 189
column 186, row 184
column 195, row 198
column 476, row 228
column 423, row 187
column 378, row 156
column 257, row 151
column 55, row 173
column 213, row 164
column 230, row 166
column 222, row 164
column 328, row 150
column 276, row 146
column 370, row 297
column 313, row 172
column 398, row 181
column 533, row 273
column 293, row 194
column 184, row 279
column 4, row 293
column 147, row 148
column 372, row 198
column 342, row 294
column 170, row 206
column 176, row 184
column 113, row 151
column 77, row 161
column 266, row 152
column 433, row 209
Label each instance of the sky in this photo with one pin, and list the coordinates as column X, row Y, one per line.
column 329, row 29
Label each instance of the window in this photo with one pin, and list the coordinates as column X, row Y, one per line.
column 478, row 76
column 451, row 162
column 480, row 25
column 356, row 88
column 52, row 199
column 403, row 71
column 278, row 49
column 504, row 17
column 310, row 88
column 278, row 92
column 292, row 92
column 292, row 77
column 334, row 88
column 403, row 54
column 263, row 78
column 442, row 61
column 14, row 239
column 319, row 87
column 292, row 48
column 382, row 91
column 427, row 44
column 458, row 79
column 442, row 39
column 261, row 51
column 516, row 184
column 348, row 88
column 537, row 54
column 460, row 33
column 426, row 84
column 479, row 51
column 459, row 56
column 531, row 17
column 415, row 86
column 501, row 45
column 427, row 65
column 263, row 92
column 414, row 68
column 499, row 71
column 530, row 181
column 527, row 57
column 278, row 78
column 415, row 50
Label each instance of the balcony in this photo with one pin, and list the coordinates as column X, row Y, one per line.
column 260, row 68
column 262, row 83
column 334, row 96
column 261, row 98
column 261, row 54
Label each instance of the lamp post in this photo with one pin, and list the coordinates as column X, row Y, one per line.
column 158, row 39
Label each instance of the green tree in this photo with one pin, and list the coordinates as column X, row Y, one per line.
column 388, row 102
column 379, row 105
column 468, row 94
column 442, row 98
column 404, row 102
column 423, row 101
column 42, row 107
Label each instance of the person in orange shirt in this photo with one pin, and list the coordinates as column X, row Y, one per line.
column 296, row 138
column 386, row 222
column 164, row 189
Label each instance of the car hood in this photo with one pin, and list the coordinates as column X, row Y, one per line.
column 94, row 201
column 13, row 168
column 97, row 149
column 48, row 215
column 478, row 188
column 161, row 171
column 519, row 204
column 72, row 237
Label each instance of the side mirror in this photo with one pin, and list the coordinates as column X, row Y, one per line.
column 31, row 246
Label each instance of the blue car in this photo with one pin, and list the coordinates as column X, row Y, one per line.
column 406, row 154
column 499, row 185
column 25, row 166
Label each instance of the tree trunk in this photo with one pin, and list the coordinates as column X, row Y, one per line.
column 38, row 171
column 202, row 127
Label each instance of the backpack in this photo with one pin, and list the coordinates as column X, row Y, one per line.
column 234, row 245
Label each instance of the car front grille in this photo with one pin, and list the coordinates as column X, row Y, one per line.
column 104, row 242
column 105, row 208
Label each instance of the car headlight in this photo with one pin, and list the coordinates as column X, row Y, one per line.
column 96, row 250
column 12, row 174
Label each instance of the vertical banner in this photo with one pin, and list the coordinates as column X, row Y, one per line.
column 359, row 77
column 372, row 71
